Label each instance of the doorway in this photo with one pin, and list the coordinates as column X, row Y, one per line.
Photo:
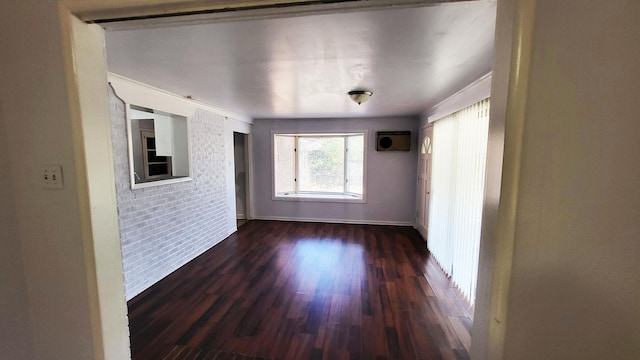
column 240, row 162
column 424, row 180
column 108, row 335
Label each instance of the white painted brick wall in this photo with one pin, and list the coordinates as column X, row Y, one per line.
column 164, row 227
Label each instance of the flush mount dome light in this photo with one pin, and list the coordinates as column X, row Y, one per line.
column 360, row 96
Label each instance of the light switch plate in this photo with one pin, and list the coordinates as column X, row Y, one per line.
column 51, row 176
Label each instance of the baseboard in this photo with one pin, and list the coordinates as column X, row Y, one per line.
column 337, row 221
column 241, row 217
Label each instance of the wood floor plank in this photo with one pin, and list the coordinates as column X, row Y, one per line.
column 292, row 290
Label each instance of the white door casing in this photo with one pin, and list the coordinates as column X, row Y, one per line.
column 424, row 179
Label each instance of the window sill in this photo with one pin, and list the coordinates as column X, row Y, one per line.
column 339, row 198
column 152, row 183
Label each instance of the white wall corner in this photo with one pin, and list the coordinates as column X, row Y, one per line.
column 467, row 96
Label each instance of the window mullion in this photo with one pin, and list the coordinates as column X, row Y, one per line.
column 346, row 165
column 296, row 165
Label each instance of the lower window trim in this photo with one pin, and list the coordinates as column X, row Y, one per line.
column 321, row 197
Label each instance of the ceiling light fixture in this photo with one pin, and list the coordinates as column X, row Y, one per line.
column 360, row 96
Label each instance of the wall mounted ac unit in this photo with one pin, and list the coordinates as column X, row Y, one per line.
column 393, row 141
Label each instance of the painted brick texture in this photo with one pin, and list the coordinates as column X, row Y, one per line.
column 164, row 227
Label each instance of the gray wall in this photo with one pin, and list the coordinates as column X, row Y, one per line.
column 163, row 227
column 391, row 176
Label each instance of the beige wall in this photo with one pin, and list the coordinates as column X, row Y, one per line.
column 37, row 120
column 15, row 326
column 574, row 283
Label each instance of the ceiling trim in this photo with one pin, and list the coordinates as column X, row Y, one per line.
column 111, row 16
column 467, row 96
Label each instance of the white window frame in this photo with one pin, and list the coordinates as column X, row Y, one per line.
column 321, row 197
column 155, row 181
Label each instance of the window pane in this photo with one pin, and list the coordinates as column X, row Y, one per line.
column 151, row 142
column 355, row 164
column 158, row 169
column 284, row 156
column 321, row 164
column 152, row 157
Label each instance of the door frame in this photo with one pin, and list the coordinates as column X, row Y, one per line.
column 247, row 176
column 421, row 193
column 108, row 313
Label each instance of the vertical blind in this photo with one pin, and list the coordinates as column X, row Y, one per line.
column 457, row 188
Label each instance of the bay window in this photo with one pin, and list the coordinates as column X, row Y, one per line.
column 319, row 166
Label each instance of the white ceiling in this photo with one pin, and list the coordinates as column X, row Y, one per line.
column 411, row 58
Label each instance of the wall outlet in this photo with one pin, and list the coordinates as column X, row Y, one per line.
column 51, row 176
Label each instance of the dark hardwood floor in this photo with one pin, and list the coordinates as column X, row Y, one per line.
column 285, row 290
